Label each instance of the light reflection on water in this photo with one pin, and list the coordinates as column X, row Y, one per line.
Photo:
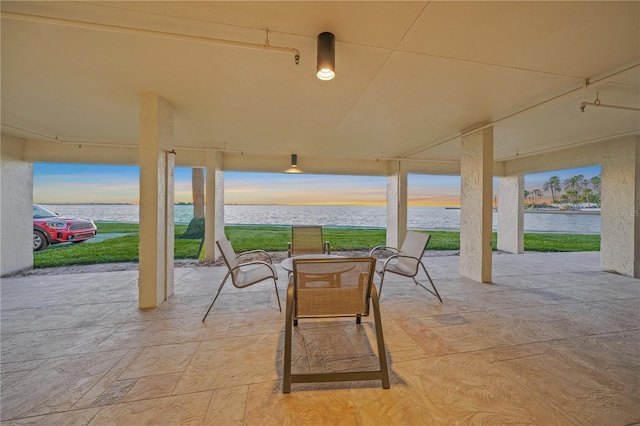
column 362, row 216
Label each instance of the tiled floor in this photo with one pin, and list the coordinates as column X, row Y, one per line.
column 552, row 341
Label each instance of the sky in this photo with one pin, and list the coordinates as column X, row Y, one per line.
column 83, row 184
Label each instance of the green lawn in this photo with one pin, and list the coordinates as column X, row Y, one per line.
column 274, row 238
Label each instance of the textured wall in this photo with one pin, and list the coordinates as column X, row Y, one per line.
column 156, row 201
column 620, row 243
column 214, row 212
column 16, row 197
column 396, row 205
column 511, row 214
column 475, row 205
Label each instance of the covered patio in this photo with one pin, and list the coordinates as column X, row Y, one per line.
column 554, row 340
column 480, row 90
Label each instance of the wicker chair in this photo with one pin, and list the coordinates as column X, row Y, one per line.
column 307, row 240
column 405, row 261
column 246, row 273
column 332, row 288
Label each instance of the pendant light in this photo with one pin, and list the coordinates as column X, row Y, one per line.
column 326, row 56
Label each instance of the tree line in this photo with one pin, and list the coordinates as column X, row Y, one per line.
column 577, row 189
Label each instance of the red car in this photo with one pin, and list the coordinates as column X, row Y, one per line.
column 49, row 228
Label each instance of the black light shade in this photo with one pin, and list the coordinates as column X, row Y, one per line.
column 294, row 160
column 326, row 56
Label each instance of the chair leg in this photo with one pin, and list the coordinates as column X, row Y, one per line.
column 216, row 296
column 288, row 330
column 359, row 319
column 381, row 281
column 382, row 354
column 275, row 283
column 435, row 290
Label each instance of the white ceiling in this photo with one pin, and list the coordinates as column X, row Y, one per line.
column 411, row 76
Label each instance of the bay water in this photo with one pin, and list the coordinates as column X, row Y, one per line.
column 436, row 218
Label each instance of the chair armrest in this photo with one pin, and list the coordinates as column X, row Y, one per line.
column 289, row 249
column 253, row 252
column 377, row 248
column 326, row 247
column 400, row 256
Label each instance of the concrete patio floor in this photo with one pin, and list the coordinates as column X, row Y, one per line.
column 553, row 340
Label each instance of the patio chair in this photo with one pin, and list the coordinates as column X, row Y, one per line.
column 344, row 289
column 405, row 261
column 307, row 240
column 246, row 273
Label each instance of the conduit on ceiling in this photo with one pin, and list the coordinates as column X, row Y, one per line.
column 598, row 104
column 151, row 33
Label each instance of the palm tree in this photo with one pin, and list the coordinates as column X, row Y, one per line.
column 587, row 196
column 573, row 196
column 553, row 185
column 537, row 194
column 573, row 183
column 527, row 194
column 596, row 183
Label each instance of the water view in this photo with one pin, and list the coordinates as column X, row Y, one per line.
column 348, row 216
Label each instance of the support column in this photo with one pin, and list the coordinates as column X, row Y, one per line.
column 156, row 201
column 16, row 199
column 476, row 172
column 396, row 205
column 214, row 212
column 511, row 214
column 620, row 215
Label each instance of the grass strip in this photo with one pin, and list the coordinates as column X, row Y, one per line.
column 275, row 238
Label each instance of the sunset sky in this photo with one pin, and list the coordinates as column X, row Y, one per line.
column 78, row 184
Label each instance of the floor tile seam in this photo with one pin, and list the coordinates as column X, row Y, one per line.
column 186, row 368
column 20, row 371
column 75, row 354
column 57, row 306
column 13, row 333
column 600, row 377
column 97, row 409
column 123, row 368
column 550, row 342
column 558, row 411
column 571, row 302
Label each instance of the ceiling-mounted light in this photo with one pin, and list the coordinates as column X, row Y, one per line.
column 326, row 56
column 294, row 160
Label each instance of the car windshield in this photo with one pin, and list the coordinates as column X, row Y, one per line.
column 40, row 212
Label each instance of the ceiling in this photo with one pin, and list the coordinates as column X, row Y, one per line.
column 411, row 77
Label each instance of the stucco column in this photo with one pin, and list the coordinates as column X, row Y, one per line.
column 476, row 172
column 156, row 201
column 511, row 214
column 214, row 212
column 620, row 215
column 16, row 199
column 396, row 205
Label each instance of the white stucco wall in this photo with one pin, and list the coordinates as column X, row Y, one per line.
column 16, row 197
column 511, row 214
column 214, row 202
column 476, row 208
column 156, row 274
column 620, row 216
column 396, row 205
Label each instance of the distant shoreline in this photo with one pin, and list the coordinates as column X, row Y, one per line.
column 562, row 211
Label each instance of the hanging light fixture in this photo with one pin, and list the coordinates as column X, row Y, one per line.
column 326, row 56
column 294, row 160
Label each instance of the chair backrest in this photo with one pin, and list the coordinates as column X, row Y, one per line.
column 229, row 256
column 414, row 245
column 336, row 287
column 306, row 240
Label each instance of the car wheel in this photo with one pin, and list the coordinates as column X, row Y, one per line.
column 39, row 241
